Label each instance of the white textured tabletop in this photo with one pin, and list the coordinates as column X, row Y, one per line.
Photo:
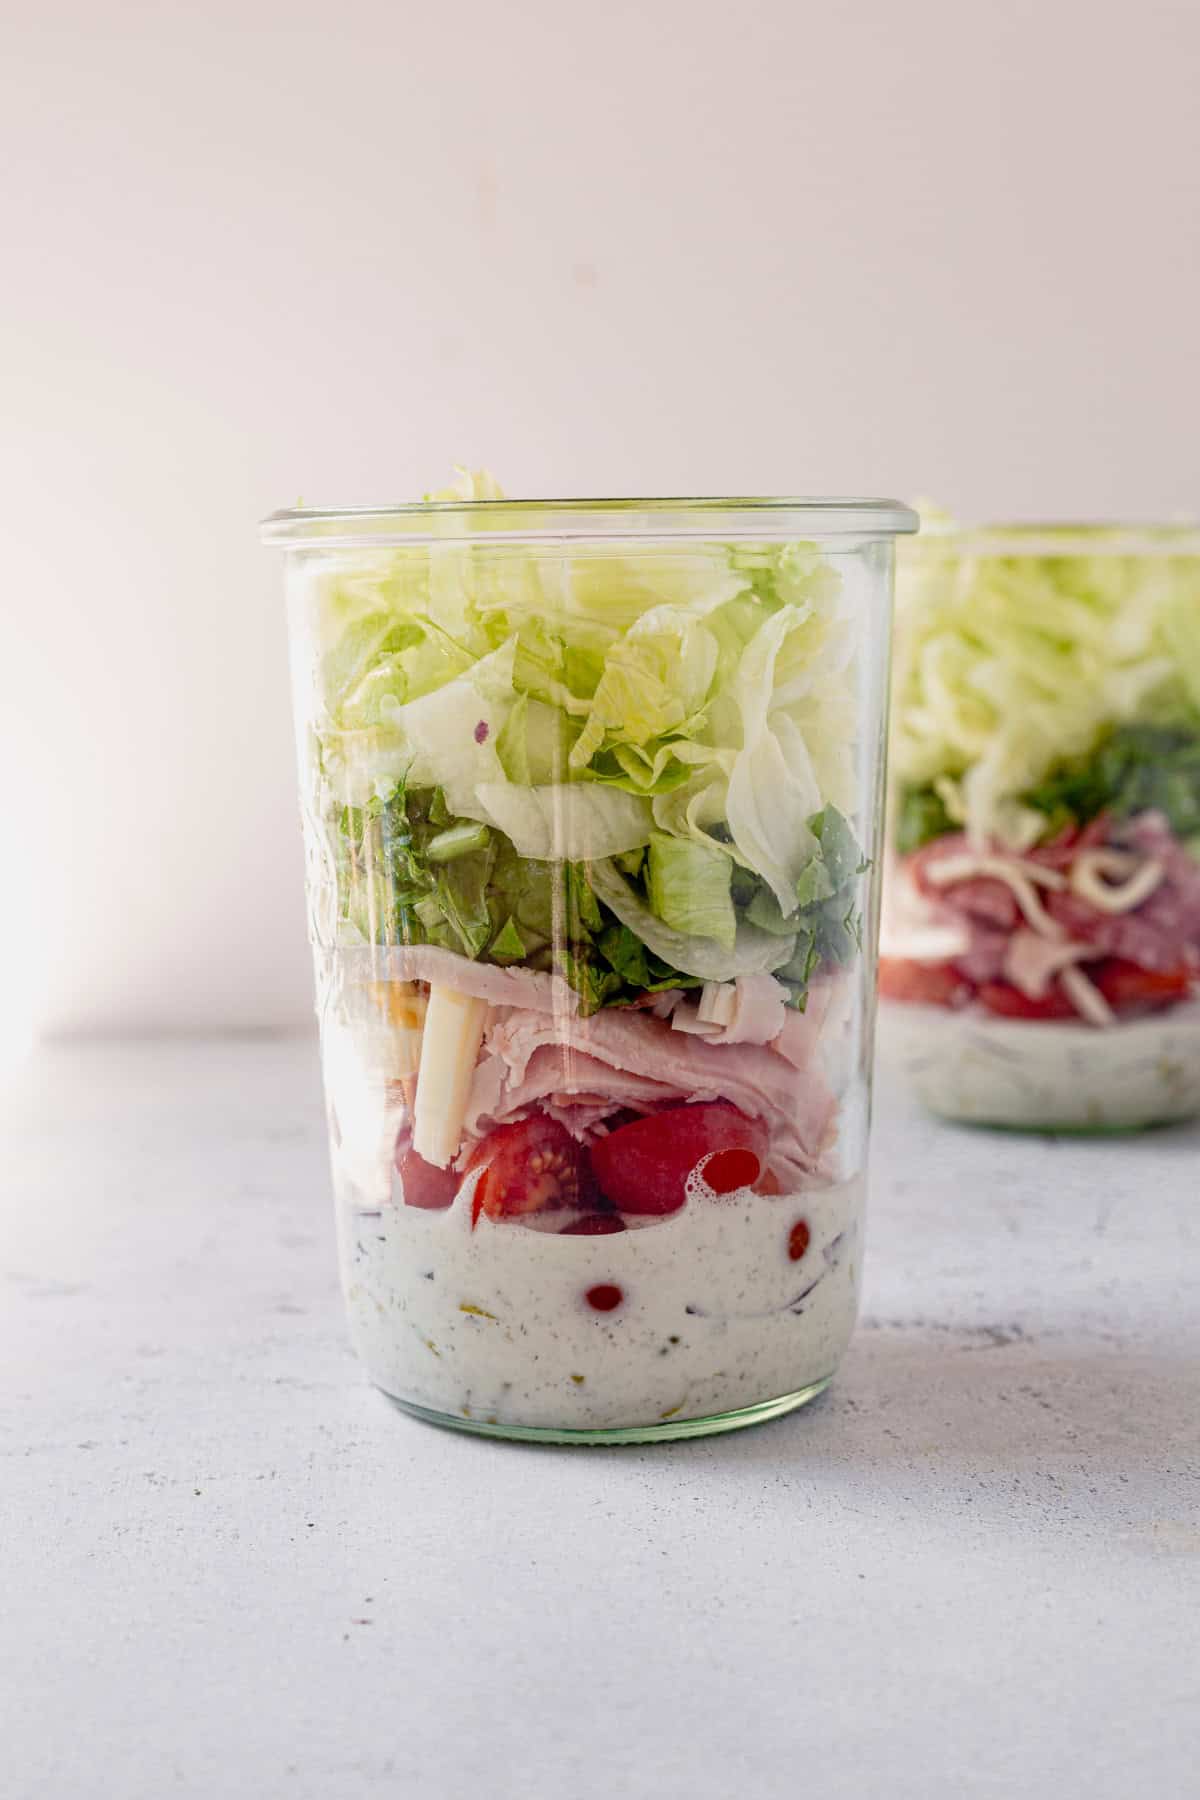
column 231, row 1569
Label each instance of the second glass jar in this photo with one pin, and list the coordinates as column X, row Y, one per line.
column 1041, row 963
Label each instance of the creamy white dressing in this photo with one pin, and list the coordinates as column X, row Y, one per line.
column 1042, row 1074
column 493, row 1324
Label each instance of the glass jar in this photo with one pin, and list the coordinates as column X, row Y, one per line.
column 1041, row 939
column 591, row 798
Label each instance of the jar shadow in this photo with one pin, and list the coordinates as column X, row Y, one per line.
column 975, row 1399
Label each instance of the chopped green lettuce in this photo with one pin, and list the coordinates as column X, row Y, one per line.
column 638, row 765
column 534, row 743
column 754, row 952
column 569, row 822
column 687, row 884
column 508, row 945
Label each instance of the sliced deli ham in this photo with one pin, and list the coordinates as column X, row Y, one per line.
column 531, row 989
column 800, row 1034
column 752, row 1012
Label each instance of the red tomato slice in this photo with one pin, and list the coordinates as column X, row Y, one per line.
column 423, row 1184
column 532, row 1166
column 1128, row 988
column 922, row 983
column 1010, row 1003
column 643, row 1167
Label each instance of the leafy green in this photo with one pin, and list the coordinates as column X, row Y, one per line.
column 1138, row 767
column 775, row 783
column 827, row 927
column 918, row 816
column 687, row 884
column 508, row 945
column 626, row 766
column 838, row 848
column 753, row 952
column 594, row 984
column 534, row 745
column 576, row 821
column 797, row 972
column 457, row 840
column 763, row 910
column 697, row 679
column 656, row 679
column 410, row 872
column 560, row 668
column 599, row 925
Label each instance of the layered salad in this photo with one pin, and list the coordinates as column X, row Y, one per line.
column 1042, row 922
column 588, row 838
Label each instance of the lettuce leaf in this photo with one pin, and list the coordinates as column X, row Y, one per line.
column 568, row 822
column 534, row 744
column 687, row 885
column 656, row 679
column 772, row 789
column 754, row 952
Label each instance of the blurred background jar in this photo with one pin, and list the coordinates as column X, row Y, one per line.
column 1040, row 960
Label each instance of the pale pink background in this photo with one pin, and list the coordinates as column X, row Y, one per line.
column 253, row 252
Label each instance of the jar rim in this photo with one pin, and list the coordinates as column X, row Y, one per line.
column 1054, row 537
column 433, row 521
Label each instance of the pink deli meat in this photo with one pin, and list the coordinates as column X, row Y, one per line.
column 530, row 989
column 757, row 1018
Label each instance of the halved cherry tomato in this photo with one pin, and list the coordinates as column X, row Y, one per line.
column 424, row 1184
column 1129, row 988
column 643, row 1167
column 922, row 983
column 532, row 1166
column 1010, row 1003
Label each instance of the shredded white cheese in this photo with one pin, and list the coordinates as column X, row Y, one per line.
column 1086, row 998
column 1097, row 877
column 1020, row 877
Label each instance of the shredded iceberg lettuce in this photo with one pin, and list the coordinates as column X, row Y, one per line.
column 689, row 710
column 1011, row 661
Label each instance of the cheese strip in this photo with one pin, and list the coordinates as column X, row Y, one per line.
column 1086, row 998
column 1113, row 882
column 454, row 1025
